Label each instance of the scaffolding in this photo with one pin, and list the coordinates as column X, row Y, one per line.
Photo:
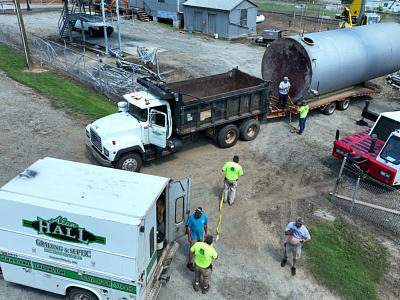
column 83, row 12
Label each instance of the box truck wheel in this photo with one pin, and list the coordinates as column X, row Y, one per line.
column 249, row 129
column 228, row 136
column 130, row 162
column 78, row 294
column 343, row 105
column 330, row 108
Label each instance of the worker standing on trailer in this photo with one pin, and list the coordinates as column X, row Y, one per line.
column 196, row 228
column 203, row 255
column 304, row 109
column 284, row 88
column 232, row 171
column 298, row 235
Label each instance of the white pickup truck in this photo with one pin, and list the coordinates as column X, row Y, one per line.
column 93, row 28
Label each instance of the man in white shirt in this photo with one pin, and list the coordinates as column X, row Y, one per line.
column 284, row 88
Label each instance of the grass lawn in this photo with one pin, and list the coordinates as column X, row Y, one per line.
column 68, row 93
column 313, row 10
column 346, row 260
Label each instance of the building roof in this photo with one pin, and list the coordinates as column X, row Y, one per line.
column 98, row 192
column 220, row 4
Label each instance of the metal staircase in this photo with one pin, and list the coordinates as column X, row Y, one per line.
column 142, row 15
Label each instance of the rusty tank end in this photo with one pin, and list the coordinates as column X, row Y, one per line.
column 287, row 57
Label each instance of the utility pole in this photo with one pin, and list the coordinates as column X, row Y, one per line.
column 23, row 34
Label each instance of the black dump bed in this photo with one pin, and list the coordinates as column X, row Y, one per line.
column 216, row 86
column 202, row 103
column 215, row 100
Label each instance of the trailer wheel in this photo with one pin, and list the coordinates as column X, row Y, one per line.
column 228, row 136
column 130, row 162
column 249, row 130
column 330, row 108
column 344, row 104
column 78, row 294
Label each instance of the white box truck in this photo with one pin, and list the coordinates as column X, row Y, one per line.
column 90, row 232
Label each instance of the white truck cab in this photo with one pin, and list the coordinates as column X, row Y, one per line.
column 140, row 129
column 90, row 232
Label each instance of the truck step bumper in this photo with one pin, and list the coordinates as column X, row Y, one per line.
column 98, row 156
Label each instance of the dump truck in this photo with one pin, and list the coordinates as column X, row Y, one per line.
column 154, row 122
column 375, row 151
column 90, row 232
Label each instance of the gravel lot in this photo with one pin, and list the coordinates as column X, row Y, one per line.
column 285, row 174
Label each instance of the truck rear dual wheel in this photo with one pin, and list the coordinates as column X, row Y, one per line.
column 330, row 108
column 228, row 136
column 130, row 162
column 249, row 129
column 81, row 294
column 344, row 104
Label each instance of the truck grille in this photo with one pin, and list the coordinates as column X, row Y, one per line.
column 96, row 140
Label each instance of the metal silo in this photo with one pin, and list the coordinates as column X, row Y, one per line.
column 327, row 61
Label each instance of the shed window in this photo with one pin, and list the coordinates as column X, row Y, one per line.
column 243, row 17
column 161, row 1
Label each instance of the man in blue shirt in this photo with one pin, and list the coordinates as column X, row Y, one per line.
column 196, row 228
column 298, row 235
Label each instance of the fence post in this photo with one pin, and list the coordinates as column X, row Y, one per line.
column 65, row 56
column 99, row 69
column 355, row 194
column 339, row 178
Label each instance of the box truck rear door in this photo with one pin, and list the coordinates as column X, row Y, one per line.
column 178, row 208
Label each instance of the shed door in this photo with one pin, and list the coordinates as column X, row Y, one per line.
column 198, row 21
column 178, row 208
column 212, row 23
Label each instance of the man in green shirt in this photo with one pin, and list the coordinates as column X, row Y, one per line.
column 232, row 171
column 304, row 109
column 203, row 255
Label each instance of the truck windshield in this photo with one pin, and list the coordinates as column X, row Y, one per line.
column 391, row 152
column 385, row 127
column 137, row 112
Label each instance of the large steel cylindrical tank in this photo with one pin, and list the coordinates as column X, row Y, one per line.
column 331, row 60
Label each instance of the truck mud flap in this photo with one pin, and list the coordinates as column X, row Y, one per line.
column 159, row 275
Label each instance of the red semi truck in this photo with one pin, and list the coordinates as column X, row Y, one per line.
column 374, row 151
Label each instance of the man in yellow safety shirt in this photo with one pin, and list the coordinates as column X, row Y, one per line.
column 304, row 109
column 232, row 171
column 203, row 255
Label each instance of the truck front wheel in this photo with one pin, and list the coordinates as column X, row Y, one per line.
column 78, row 294
column 249, row 130
column 228, row 136
column 130, row 162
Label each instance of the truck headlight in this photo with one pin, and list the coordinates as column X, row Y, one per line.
column 106, row 153
column 87, row 133
column 341, row 152
column 384, row 174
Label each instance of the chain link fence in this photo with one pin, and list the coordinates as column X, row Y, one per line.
column 312, row 9
column 367, row 199
column 91, row 71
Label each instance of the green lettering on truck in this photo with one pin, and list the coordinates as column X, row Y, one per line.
column 62, row 229
column 68, row 273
